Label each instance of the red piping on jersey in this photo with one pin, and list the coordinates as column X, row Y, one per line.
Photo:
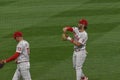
column 68, row 28
column 15, row 56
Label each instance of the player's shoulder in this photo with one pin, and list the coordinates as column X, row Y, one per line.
column 75, row 28
column 23, row 42
column 85, row 33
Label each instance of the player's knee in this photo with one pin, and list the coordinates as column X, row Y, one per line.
column 78, row 67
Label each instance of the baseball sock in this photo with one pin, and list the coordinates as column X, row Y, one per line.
column 78, row 73
column 82, row 74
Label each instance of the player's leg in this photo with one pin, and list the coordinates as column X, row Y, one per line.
column 25, row 73
column 80, row 58
column 83, row 77
column 74, row 60
column 16, row 75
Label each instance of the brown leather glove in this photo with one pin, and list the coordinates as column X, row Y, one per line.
column 2, row 63
column 64, row 37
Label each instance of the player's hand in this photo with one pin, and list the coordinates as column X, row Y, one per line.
column 64, row 37
column 64, row 29
column 2, row 63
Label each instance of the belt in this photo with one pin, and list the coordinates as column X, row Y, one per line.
column 21, row 62
column 77, row 50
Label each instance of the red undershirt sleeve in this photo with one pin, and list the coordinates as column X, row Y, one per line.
column 15, row 56
column 68, row 28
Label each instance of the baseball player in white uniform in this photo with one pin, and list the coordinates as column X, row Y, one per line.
column 79, row 41
column 21, row 57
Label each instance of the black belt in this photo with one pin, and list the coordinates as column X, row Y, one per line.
column 77, row 50
column 21, row 62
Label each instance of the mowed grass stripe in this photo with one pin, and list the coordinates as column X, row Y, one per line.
column 100, row 5
column 91, row 9
column 111, row 37
column 92, row 19
column 88, row 12
column 56, row 72
column 6, row 2
column 103, row 1
column 47, row 2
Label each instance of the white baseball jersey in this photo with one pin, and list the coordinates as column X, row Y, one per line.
column 24, row 50
column 81, row 37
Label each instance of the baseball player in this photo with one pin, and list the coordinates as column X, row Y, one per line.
column 79, row 41
column 21, row 57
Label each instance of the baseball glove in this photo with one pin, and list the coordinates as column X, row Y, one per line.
column 64, row 37
column 2, row 64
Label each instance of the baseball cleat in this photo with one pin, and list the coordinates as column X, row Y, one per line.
column 84, row 78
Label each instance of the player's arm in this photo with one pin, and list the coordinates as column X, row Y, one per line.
column 73, row 41
column 67, row 28
column 13, row 57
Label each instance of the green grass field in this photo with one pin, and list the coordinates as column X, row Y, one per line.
column 42, row 21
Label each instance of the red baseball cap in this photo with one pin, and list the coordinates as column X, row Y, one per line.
column 17, row 34
column 84, row 22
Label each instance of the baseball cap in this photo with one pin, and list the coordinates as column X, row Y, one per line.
column 84, row 22
column 17, row 34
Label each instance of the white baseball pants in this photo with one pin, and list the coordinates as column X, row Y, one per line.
column 78, row 60
column 22, row 71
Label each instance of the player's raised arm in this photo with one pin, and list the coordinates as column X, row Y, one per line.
column 66, row 37
column 67, row 28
